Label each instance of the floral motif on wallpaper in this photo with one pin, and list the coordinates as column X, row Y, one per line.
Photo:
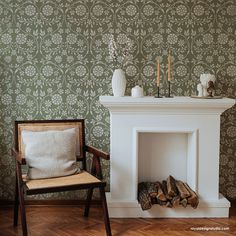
column 54, row 63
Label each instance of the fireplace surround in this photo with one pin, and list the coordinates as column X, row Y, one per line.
column 151, row 137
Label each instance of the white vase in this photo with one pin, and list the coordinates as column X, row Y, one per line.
column 118, row 83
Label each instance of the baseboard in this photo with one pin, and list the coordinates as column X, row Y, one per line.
column 233, row 203
column 81, row 202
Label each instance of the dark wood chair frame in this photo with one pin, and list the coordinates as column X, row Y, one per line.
column 21, row 189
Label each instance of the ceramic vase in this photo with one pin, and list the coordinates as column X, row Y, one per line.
column 118, row 83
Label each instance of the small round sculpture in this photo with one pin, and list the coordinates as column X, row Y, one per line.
column 137, row 92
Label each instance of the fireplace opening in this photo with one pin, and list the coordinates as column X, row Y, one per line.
column 162, row 153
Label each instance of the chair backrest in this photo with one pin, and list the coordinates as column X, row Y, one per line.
column 44, row 125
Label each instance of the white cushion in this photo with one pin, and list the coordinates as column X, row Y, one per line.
column 50, row 153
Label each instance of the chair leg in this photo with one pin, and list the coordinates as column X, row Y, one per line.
column 16, row 205
column 88, row 202
column 105, row 211
column 22, row 211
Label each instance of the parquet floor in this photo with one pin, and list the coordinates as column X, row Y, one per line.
column 68, row 221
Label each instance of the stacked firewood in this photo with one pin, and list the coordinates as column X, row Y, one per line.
column 170, row 193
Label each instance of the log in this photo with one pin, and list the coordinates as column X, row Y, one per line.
column 175, row 201
column 171, row 187
column 169, row 204
column 161, row 203
column 154, row 200
column 157, row 201
column 164, row 189
column 143, row 197
column 160, row 195
column 152, row 189
column 184, row 202
column 193, row 200
column 183, row 192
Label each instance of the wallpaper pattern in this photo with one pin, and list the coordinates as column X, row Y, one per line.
column 54, row 63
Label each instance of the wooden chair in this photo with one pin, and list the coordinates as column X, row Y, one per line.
column 83, row 180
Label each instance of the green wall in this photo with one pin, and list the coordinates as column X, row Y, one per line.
column 54, row 63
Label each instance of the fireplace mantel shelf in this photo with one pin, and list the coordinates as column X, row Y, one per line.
column 152, row 104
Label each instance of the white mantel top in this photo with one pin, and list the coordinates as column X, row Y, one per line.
column 152, row 104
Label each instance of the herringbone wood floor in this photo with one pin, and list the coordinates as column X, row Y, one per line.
column 69, row 221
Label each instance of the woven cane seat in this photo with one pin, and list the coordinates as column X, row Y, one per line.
column 78, row 179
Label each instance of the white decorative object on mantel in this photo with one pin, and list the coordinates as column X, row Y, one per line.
column 200, row 90
column 118, row 83
column 205, row 79
column 137, row 92
column 152, row 138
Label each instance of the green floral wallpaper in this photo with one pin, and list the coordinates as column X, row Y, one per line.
column 54, row 63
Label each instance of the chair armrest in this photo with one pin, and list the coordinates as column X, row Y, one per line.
column 96, row 169
column 97, row 152
column 18, row 156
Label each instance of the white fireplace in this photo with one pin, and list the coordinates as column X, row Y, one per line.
column 152, row 138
